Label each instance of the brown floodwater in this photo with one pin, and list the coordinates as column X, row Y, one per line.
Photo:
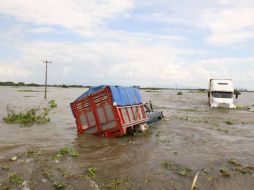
column 192, row 138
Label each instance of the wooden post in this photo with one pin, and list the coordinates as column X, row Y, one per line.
column 46, row 78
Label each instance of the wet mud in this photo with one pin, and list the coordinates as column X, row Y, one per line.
column 218, row 144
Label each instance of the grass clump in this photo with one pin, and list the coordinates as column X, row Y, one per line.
column 59, row 185
column 224, row 172
column 167, row 164
column 240, row 168
column 52, row 104
column 16, row 179
column 184, row 171
column 233, row 162
column 114, row 184
column 92, row 171
column 73, row 152
column 31, row 153
column 179, row 93
column 66, row 150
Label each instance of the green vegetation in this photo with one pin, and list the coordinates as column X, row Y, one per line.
column 59, row 185
column 52, row 104
column 37, row 85
column 203, row 91
column 114, row 184
column 16, row 179
column 245, row 170
column 179, row 93
column 167, row 164
column 233, row 162
column 224, row 172
column 5, row 167
column 66, row 150
column 92, row 171
column 242, row 107
column 237, row 91
column 184, row 171
column 30, row 153
column 28, row 118
column 73, row 152
column 240, row 168
column 64, row 86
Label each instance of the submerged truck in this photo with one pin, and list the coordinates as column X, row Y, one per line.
column 111, row 111
column 221, row 93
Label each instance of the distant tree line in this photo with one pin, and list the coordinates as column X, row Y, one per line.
column 8, row 83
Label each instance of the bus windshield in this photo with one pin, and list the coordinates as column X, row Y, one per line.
column 217, row 94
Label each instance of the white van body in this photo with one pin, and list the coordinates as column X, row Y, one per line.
column 221, row 93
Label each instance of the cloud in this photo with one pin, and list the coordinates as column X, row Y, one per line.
column 124, row 64
column 224, row 22
column 229, row 25
column 109, row 62
column 7, row 71
column 84, row 17
column 42, row 30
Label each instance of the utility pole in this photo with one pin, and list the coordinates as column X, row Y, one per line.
column 46, row 77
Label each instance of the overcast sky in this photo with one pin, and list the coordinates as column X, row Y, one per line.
column 128, row 42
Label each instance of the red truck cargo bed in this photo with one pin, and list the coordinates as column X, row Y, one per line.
column 98, row 114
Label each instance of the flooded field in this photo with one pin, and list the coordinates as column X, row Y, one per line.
column 218, row 144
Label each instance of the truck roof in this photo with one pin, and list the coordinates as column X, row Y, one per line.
column 225, row 85
column 122, row 96
column 220, row 79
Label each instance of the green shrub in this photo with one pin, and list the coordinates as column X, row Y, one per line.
column 52, row 104
column 30, row 117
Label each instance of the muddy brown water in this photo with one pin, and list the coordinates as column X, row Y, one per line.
column 192, row 137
